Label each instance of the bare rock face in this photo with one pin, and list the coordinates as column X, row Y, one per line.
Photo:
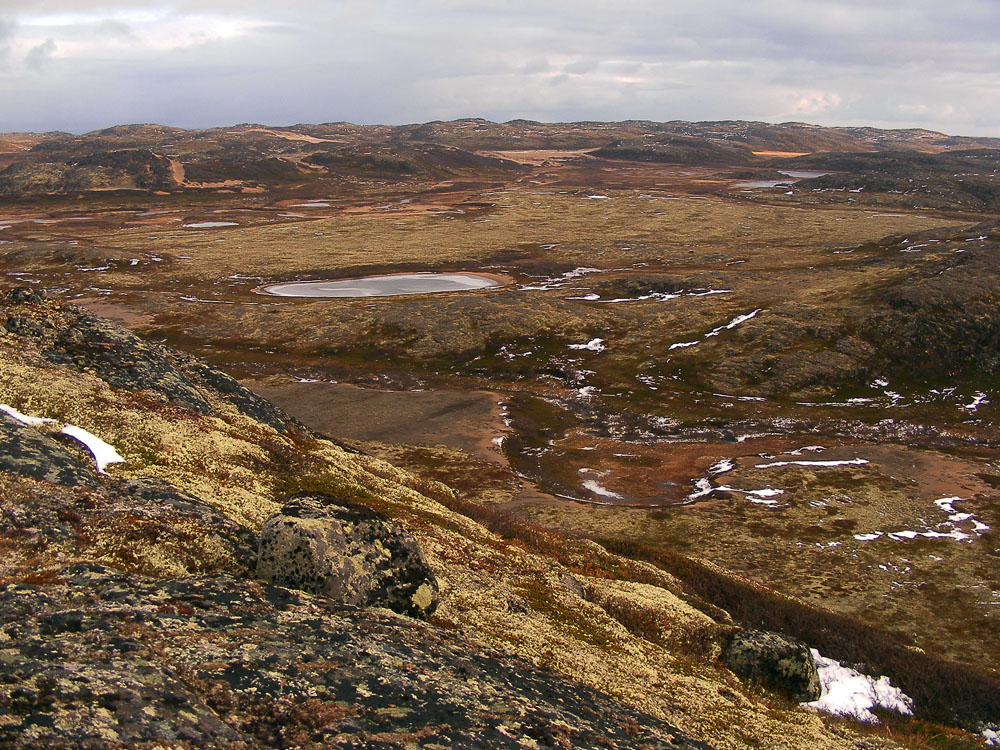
column 775, row 661
column 350, row 555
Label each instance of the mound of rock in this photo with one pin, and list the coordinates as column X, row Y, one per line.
column 775, row 661
column 348, row 554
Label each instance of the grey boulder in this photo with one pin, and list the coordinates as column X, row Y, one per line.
column 348, row 554
column 777, row 662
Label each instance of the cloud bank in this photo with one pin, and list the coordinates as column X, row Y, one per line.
column 901, row 63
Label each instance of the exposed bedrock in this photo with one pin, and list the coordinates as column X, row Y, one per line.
column 100, row 659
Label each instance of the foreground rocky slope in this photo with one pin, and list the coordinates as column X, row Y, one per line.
column 131, row 615
column 104, row 658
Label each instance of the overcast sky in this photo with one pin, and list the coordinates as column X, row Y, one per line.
column 77, row 66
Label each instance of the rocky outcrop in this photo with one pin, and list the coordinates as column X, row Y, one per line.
column 142, row 526
column 27, row 452
column 100, row 659
column 126, row 169
column 676, row 149
column 349, row 554
column 777, row 662
column 943, row 318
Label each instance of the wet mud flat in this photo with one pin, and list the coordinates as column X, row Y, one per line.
column 464, row 420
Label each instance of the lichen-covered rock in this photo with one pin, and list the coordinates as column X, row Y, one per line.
column 349, row 554
column 99, row 659
column 780, row 663
column 25, row 294
column 142, row 526
column 24, row 327
column 70, row 337
column 229, row 389
column 28, row 452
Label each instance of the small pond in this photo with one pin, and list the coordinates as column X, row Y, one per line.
column 385, row 286
column 796, row 175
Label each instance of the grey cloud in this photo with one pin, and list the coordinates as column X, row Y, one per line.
column 38, row 56
column 113, row 27
column 902, row 62
column 6, row 34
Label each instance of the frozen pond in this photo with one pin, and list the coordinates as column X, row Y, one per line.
column 385, row 286
column 795, row 175
column 803, row 174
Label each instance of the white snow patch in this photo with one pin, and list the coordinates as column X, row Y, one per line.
column 703, row 488
column 738, row 320
column 850, row 462
column 707, row 292
column 188, row 298
column 103, row 453
column 947, row 504
column 978, row 399
column 721, row 466
column 594, row 345
column 846, row 692
column 24, row 418
column 767, row 492
column 558, row 281
column 868, row 537
column 658, row 296
column 807, row 449
column 209, row 224
column 597, row 489
column 499, row 441
column 908, row 534
column 943, row 530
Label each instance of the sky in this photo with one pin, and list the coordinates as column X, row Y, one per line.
column 79, row 66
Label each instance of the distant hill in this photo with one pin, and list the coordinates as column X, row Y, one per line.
column 250, row 156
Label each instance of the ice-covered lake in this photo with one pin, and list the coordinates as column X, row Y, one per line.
column 384, row 286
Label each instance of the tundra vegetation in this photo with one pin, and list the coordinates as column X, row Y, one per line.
column 736, row 377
